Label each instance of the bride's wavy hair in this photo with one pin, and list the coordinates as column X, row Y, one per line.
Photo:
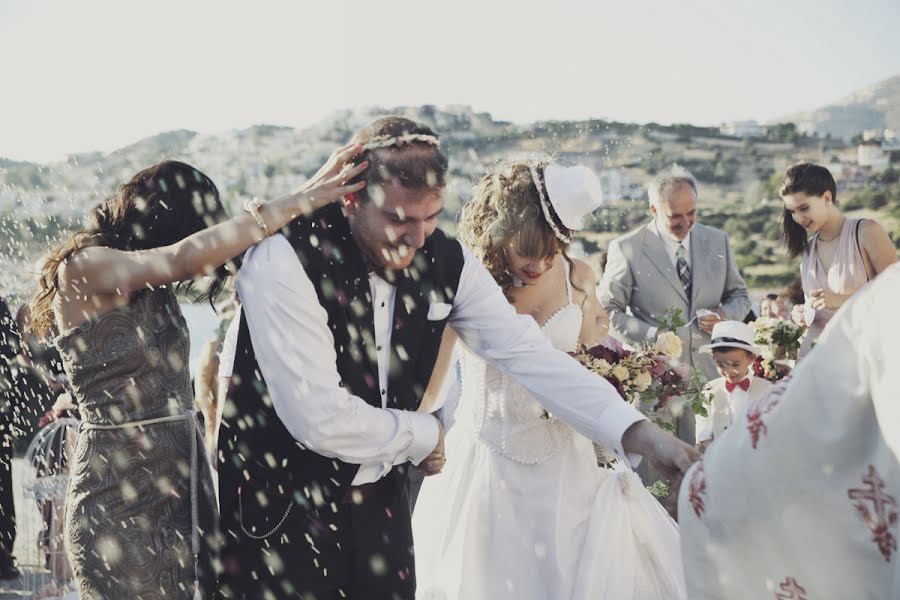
column 159, row 206
column 505, row 212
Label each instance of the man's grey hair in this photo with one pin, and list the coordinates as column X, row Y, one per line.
column 667, row 181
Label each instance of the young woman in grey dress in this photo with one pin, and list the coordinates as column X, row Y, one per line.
column 839, row 254
column 140, row 510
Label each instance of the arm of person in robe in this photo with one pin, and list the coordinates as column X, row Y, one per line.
column 102, row 270
column 487, row 323
column 616, row 287
column 295, row 351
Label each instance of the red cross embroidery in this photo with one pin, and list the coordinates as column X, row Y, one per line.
column 881, row 516
column 755, row 424
column 790, row 590
column 698, row 490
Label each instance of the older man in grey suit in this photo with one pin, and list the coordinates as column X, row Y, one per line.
column 673, row 263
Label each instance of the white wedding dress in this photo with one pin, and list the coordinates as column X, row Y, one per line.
column 521, row 509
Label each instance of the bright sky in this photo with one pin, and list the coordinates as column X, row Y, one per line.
column 97, row 75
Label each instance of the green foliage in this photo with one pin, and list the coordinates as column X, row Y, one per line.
column 671, row 321
column 782, row 132
column 660, row 489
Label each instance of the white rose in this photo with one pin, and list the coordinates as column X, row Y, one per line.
column 669, row 343
column 602, row 367
column 620, row 373
column 642, row 381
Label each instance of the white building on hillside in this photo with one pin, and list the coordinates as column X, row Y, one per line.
column 872, row 155
column 743, row 129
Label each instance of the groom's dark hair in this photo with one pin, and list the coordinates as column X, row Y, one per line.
column 415, row 164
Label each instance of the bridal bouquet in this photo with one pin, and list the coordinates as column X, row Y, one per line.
column 781, row 340
column 649, row 376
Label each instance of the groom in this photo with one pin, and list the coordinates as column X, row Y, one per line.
column 342, row 318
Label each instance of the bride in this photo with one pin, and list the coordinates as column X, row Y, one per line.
column 521, row 509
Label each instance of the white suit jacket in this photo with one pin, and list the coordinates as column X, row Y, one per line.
column 725, row 410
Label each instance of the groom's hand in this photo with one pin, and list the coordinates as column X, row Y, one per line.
column 669, row 456
column 434, row 462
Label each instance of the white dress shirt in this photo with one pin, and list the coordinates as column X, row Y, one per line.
column 295, row 352
column 229, row 345
column 672, row 244
column 725, row 408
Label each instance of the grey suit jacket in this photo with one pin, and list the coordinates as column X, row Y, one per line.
column 640, row 283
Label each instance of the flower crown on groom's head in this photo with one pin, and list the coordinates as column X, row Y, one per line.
column 572, row 192
column 399, row 140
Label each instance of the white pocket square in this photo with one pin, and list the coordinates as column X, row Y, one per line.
column 438, row 311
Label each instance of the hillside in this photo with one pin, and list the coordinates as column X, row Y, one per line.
column 40, row 203
column 874, row 107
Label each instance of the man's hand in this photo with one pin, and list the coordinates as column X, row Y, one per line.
column 434, row 462
column 669, row 456
column 707, row 322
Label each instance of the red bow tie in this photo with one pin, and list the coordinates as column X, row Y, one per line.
column 744, row 384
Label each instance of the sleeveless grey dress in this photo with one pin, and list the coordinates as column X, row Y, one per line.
column 129, row 505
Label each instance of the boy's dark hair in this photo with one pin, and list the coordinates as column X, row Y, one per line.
column 809, row 179
column 722, row 350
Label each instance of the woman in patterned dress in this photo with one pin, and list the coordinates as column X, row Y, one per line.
column 140, row 499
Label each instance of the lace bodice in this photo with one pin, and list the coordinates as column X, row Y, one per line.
column 505, row 416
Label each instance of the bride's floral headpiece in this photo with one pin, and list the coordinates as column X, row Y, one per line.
column 545, row 207
column 572, row 192
column 399, row 140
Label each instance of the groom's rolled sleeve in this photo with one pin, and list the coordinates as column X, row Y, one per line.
column 294, row 349
column 490, row 327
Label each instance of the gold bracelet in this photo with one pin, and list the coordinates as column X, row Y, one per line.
column 253, row 206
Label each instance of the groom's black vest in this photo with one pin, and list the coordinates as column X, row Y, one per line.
column 257, row 453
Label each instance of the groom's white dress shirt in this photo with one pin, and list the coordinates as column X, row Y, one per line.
column 295, row 352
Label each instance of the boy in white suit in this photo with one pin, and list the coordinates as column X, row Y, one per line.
column 734, row 352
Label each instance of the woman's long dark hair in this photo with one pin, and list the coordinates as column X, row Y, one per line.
column 812, row 180
column 159, row 206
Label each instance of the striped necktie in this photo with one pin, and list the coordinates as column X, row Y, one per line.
column 684, row 271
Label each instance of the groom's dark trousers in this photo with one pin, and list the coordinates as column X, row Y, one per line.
column 377, row 558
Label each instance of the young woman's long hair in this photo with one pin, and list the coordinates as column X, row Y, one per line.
column 812, row 180
column 505, row 211
column 159, row 206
